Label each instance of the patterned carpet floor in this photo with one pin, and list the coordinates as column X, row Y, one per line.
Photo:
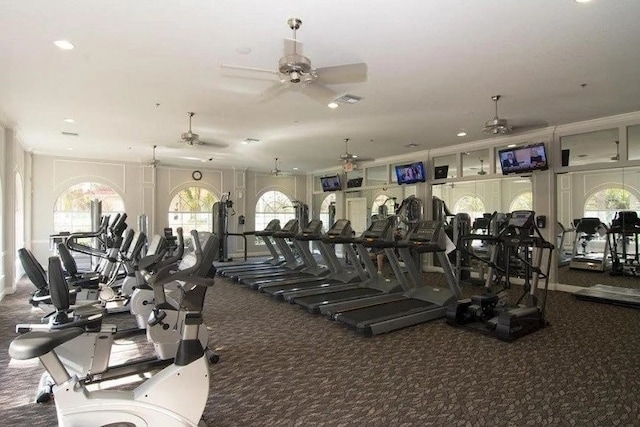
column 284, row 367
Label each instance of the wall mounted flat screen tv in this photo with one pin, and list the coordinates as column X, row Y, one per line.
column 411, row 173
column 525, row 159
column 330, row 183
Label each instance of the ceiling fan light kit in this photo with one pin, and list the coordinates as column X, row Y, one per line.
column 496, row 126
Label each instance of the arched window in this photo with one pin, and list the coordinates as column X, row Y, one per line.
column 522, row 202
column 325, row 216
column 471, row 205
column 383, row 205
column 191, row 209
column 273, row 205
column 605, row 203
column 72, row 210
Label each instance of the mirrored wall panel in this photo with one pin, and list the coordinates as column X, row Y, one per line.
column 445, row 166
column 593, row 147
column 475, row 163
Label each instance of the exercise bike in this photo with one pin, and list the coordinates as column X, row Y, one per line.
column 176, row 396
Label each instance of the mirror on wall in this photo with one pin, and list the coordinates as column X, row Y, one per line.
column 633, row 142
column 448, row 164
column 587, row 252
column 475, row 163
column 377, row 176
column 486, row 196
column 592, row 147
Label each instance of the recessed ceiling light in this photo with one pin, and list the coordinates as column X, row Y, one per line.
column 64, row 44
column 582, row 1
column 69, row 149
column 69, row 121
column 332, row 105
column 248, row 141
column 295, row 169
column 511, row 145
column 462, row 133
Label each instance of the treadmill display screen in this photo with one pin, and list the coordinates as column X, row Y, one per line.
column 425, row 231
column 521, row 219
column 290, row 225
column 338, row 227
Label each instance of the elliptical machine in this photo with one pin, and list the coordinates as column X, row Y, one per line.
column 516, row 251
column 176, row 396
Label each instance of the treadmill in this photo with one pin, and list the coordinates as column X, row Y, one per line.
column 419, row 304
column 582, row 258
column 340, row 232
column 310, row 270
column 379, row 235
column 265, row 235
column 291, row 267
column 290, row 260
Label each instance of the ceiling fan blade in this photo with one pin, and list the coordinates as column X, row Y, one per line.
column 213, row 144
column 272, row 92
column 348, row 73
column 243, row 68
column 292, row 46
column 319, row 92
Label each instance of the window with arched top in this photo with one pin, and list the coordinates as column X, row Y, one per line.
column 472, row 205
column 273, row 205
column 522, row 202
column 327, row 211
column 192, row 209
column 72, row 209
column 383, row 205
column 605, row 203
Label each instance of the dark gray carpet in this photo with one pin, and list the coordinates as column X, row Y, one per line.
column 282, row 366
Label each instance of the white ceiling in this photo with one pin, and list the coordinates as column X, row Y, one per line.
column 433, row 66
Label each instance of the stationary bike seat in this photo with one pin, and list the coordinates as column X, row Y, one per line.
column 37, row 343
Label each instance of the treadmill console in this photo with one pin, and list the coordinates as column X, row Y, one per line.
column 378, row 229
column 291, row 226
column 274, row 225
column 522, row 219
column 425, row 231
column 314, row 227
column 341, row 227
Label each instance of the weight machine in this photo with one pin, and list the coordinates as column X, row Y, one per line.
column 222, row 210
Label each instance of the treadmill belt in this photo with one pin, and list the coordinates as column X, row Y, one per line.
column 610, row 294
column 346, row 294
column 355, row 317
column 291, row 286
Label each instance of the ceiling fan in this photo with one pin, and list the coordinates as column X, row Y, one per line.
column 498, row 126
column 153, row 162
column 296, row 72
column 276, row 171
column 193, row 139
column 349, row 159
column 482, row 171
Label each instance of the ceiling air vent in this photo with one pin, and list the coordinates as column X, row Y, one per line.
column 69, row 133
column 348, row 99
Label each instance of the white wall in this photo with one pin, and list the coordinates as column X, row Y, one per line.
column 147, row 190
column 13, row 162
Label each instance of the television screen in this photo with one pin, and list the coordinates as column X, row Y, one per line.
column 330, row 183
column 354, row 182
column 410, row 174
column 523, row 159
